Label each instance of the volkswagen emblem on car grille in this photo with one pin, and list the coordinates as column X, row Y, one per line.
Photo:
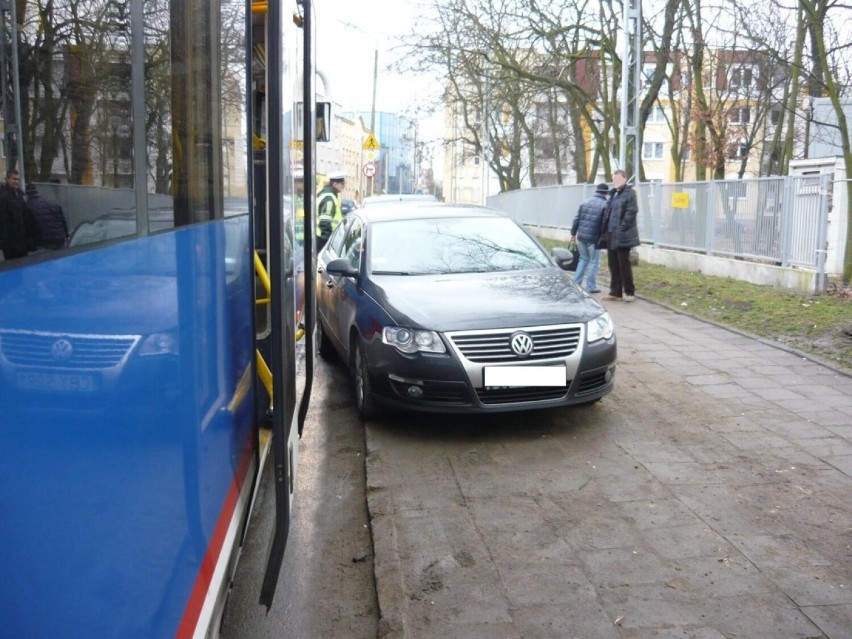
column 522, row 344
column 61, row 350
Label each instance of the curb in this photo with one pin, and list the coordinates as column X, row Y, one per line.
column 390, row 587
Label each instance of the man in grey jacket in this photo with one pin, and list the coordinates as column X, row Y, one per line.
column 621, row 233
column 585, row 231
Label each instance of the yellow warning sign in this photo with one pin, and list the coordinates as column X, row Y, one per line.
column 371, row 143
column 680, row 200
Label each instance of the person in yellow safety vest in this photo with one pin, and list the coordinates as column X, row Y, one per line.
column 329, row 213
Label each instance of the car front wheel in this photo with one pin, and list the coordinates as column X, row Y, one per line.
column 324, row 346
column 364, row 399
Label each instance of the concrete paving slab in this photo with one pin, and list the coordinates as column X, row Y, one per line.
column 760, row 616
column 703, row 498
column 834, row 621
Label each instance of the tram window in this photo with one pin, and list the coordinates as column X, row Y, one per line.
column 189, row 143
column 74, row 142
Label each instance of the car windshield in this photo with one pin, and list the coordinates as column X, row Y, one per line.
column 451, row 245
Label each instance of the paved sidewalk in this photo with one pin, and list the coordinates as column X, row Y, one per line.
column 709, row 496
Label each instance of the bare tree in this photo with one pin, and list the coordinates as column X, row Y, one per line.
column 829, row 67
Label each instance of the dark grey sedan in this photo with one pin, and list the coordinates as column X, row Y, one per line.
column 457, row 309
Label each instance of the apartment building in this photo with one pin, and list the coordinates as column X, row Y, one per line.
column 741, row 113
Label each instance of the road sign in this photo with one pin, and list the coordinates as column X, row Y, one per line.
column 370, row 170
column 370, row 155
column 371, row 143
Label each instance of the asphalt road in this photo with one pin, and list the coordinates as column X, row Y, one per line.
column 326, row 587
column 707, row 497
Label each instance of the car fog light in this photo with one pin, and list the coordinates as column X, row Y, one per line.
column 415, row 392
column 608, row 374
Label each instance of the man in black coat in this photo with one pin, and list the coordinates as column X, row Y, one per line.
column 621, row 233
column 18, row 231
column 50, row 219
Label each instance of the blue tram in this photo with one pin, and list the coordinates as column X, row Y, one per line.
column 133, row 422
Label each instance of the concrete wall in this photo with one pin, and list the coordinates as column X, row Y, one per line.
column 801, row 280
column 804, row 281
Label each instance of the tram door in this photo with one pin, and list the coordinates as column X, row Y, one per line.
column 283, row 143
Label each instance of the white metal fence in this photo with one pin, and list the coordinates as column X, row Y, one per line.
column 779, row 220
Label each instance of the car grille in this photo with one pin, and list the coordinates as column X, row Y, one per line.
column 515, row 395
column 494, row 346
column 57, row 350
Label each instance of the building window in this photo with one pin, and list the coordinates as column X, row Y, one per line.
column 741, row 77
column 652, row 151
column 657, row 115
column 647, row 74
column 775, row 116
column 739, row 115
column 737, row 151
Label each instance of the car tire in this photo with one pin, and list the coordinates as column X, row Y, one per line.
column 324, row 347
column 364, row 399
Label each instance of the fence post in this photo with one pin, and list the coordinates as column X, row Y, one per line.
column 656, row 211
column 710, row 216
column 787, row 208
column 825, row 186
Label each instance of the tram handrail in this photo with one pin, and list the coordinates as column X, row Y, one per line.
column 264, row 373
column 260, row 269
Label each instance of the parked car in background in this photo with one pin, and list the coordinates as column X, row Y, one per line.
column 347, row 206
column 457, row 309
column 398, row 198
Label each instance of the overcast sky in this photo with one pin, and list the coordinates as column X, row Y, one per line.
column 348, row 34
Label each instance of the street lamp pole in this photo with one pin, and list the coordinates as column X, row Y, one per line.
column 373, row 109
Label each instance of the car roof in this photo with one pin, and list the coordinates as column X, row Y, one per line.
column 424, row 210
column 398, row 197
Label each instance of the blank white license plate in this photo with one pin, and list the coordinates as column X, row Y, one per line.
column 63, row 382
column 524, row 376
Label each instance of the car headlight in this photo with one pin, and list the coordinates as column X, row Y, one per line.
column 599, row 328
column 409, row 340
column 159, row 344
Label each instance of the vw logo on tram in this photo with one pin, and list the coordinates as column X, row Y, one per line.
column 522, row 344
column 61, row 350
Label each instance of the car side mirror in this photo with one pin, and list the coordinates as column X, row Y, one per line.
column 563, row 257
column 341, row 266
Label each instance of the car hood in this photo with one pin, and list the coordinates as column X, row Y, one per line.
column 484, row 300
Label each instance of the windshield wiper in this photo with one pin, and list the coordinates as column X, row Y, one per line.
column 394, row 273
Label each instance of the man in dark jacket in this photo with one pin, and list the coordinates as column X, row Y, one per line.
column 18, row 232
column 621, row 233
column 50, row 219
column 585, row 231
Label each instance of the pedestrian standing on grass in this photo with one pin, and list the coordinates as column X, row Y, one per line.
column 585, row 231
column 621, row 233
